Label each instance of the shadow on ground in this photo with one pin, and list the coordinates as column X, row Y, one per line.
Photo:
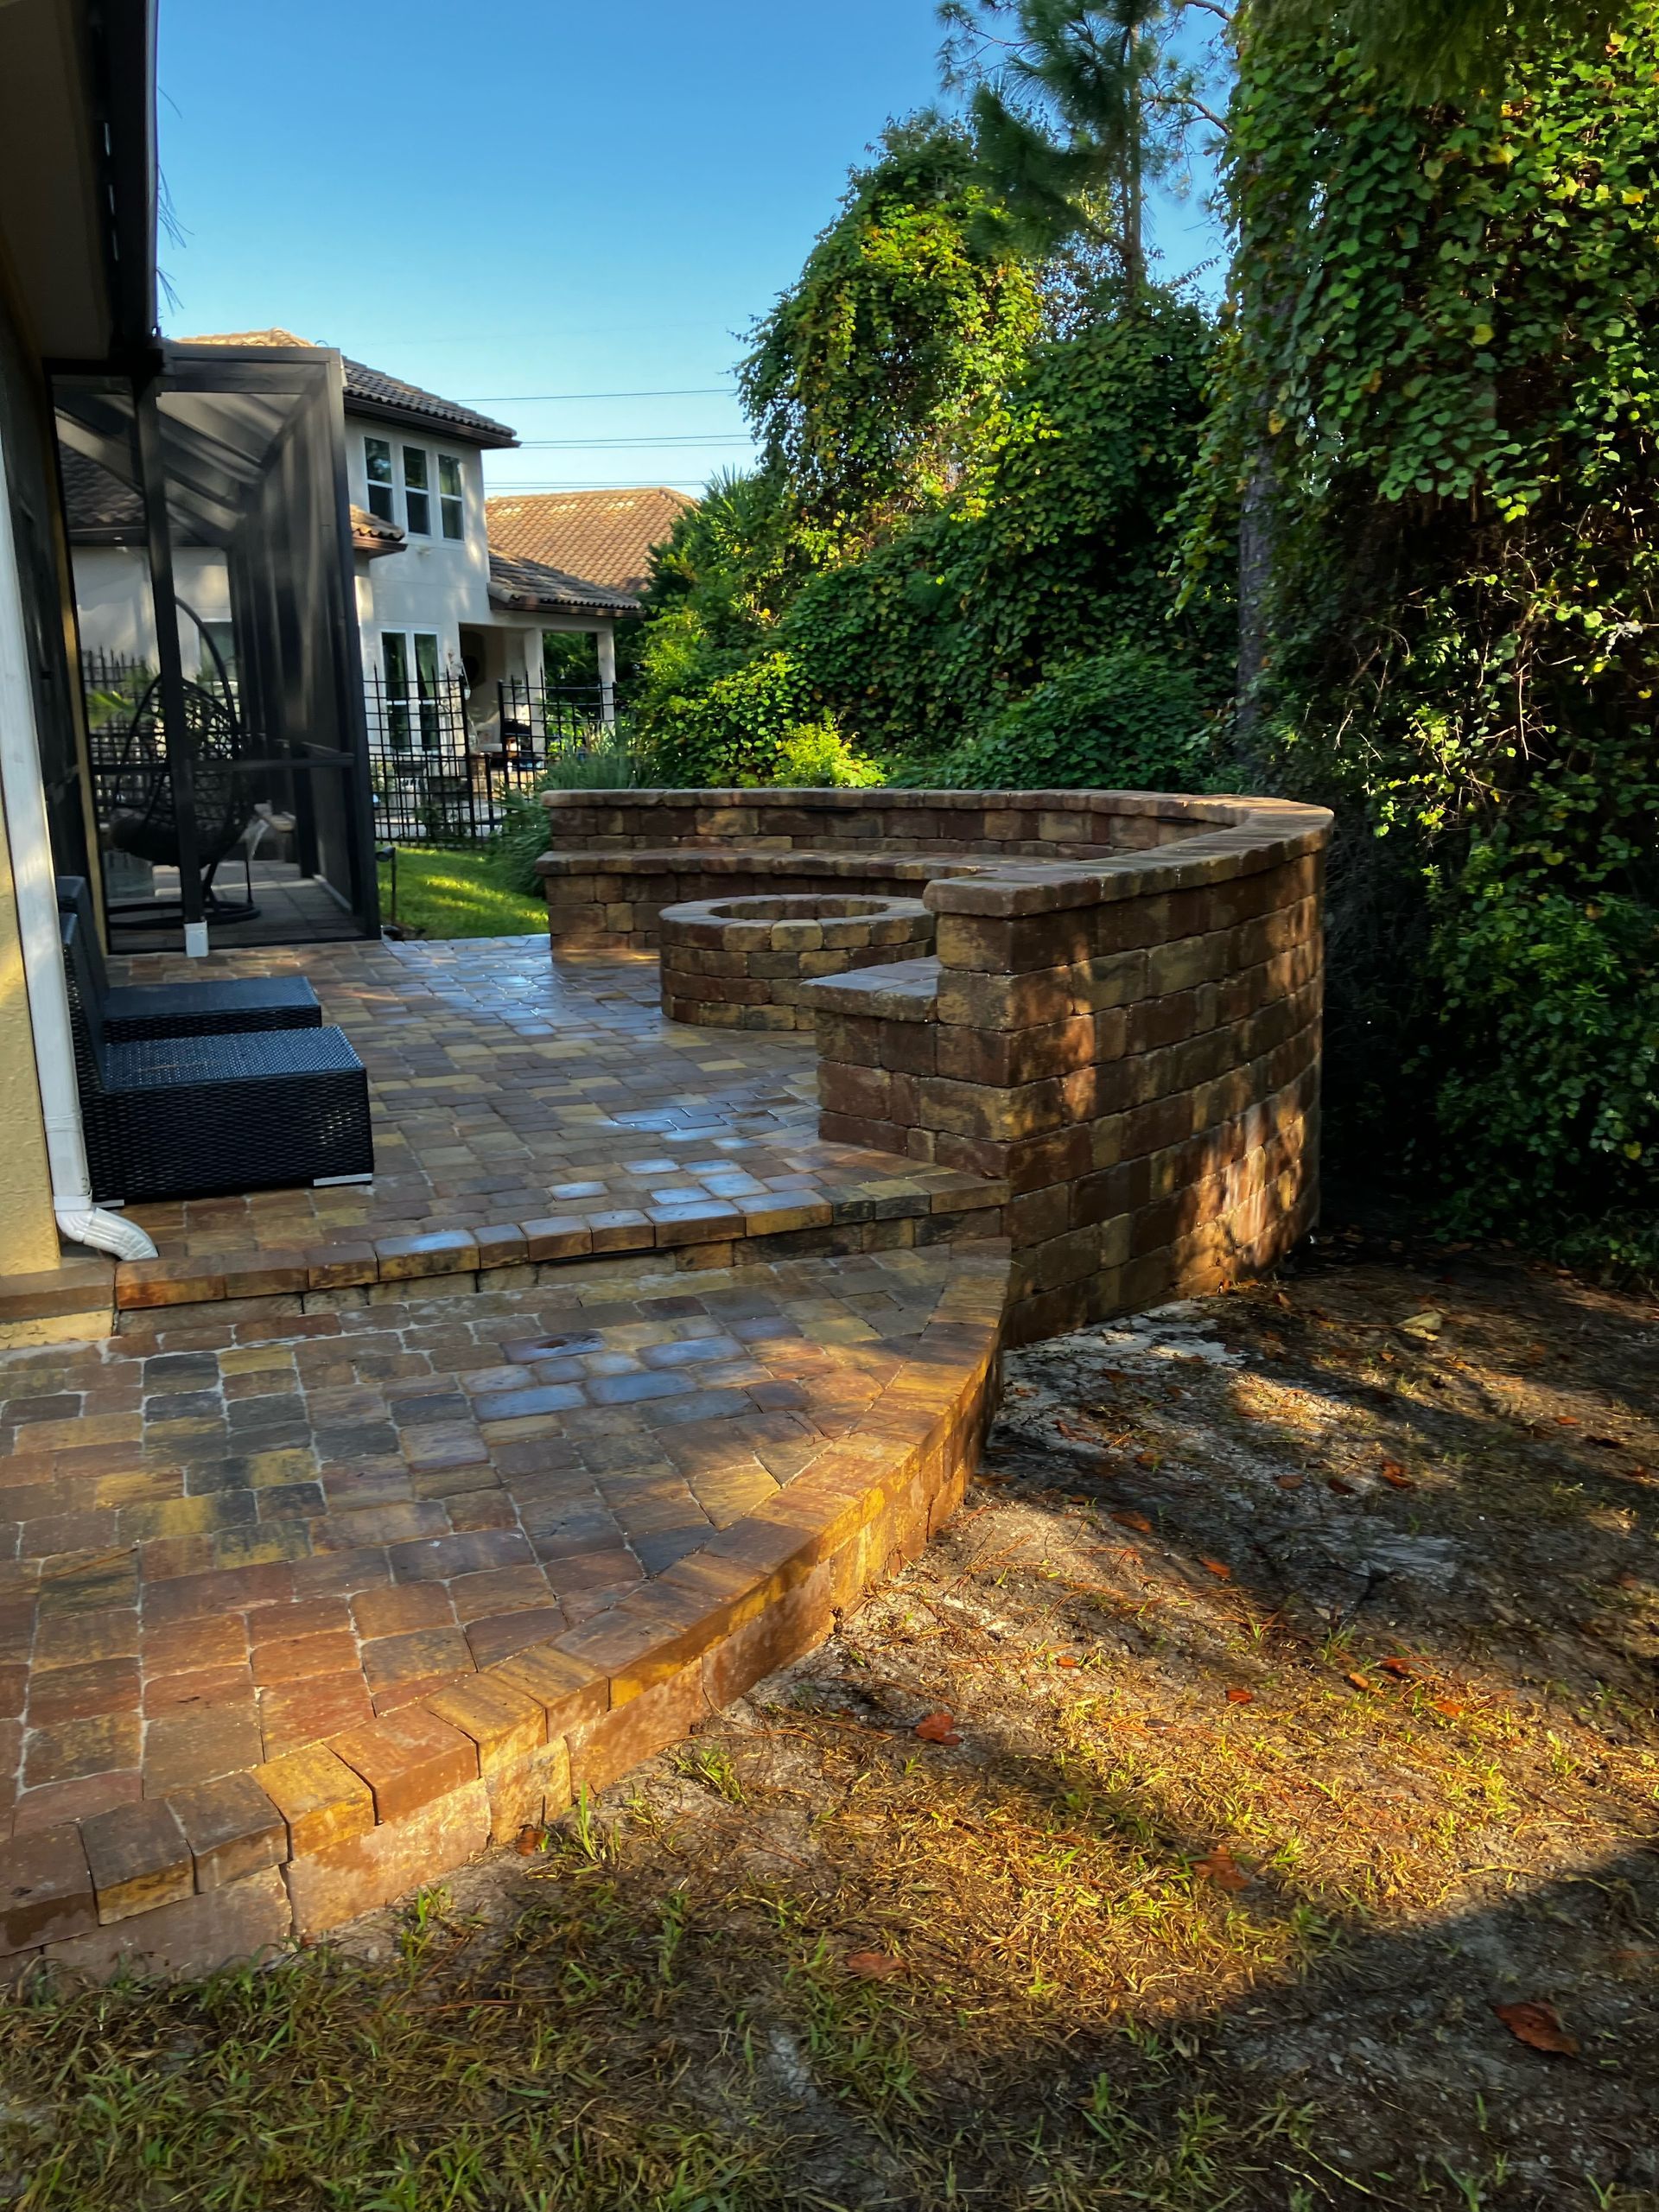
column 1298, row 1652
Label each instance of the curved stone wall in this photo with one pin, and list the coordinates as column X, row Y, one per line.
column 1119, row 1025
column 617, row 858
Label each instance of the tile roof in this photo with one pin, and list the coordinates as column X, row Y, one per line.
column 605, row 535
column 533, row 588
column 371, row 391
column 97, row 504
column 373, row 534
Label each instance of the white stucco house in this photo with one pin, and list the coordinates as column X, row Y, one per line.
column 439, row 615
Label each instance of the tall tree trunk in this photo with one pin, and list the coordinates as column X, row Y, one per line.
column 1256, row 548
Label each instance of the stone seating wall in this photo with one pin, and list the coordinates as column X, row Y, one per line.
column 1120, row 1024
column 664, row 848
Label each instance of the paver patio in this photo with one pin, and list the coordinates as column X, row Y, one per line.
column 511, row 1093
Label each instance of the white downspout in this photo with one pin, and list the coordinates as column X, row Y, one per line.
column 34, row 887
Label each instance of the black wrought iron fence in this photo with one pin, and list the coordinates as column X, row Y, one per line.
column 442, row 757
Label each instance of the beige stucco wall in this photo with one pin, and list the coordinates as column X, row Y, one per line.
column 29, row 1236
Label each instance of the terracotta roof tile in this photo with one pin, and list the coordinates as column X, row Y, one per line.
column 531, row 587
column 373, row 534
column 605, row 535
column 96, row 501
column 372, row 392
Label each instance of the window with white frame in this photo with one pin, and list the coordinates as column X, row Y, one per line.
column 409, row 668
column 417, row 493
column 377, row 465
column 452, row 511
column 420, row 477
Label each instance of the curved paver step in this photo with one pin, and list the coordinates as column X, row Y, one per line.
column 397, row 1581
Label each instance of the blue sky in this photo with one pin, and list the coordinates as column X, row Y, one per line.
column 509, row 198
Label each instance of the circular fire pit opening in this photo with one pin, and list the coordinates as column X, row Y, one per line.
column 740, row 964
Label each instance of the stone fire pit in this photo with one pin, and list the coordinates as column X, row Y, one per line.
column 740, row 964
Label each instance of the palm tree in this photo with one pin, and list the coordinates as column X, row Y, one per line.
column 1074, row 108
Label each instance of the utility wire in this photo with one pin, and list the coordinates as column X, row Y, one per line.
column 540, row 398
column 653, row 445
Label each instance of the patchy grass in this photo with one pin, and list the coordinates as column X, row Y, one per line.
column 458, row 894
column 1301, row 1667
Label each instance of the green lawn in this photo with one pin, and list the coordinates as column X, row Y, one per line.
column 458, row 894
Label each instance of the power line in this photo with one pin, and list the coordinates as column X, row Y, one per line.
column 652, row 445
column 540, row 398
column 594, row 484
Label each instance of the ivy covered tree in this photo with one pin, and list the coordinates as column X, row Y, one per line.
column 1056, row 550
column 869, row 381
column 1441, row 383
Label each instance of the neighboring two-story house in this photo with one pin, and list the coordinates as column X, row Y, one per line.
column 439, row 613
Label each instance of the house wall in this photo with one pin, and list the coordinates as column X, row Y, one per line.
column 432, row 583
column 29, row 1236
column 113, row 601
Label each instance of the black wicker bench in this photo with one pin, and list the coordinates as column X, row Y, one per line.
column 130, row 1012
column 168, row 1117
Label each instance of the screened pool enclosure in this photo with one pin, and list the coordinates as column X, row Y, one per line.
column 227, row 751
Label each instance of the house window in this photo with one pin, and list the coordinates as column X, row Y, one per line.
column 218, row 667
column 377, row 462
column 417, row 496
column 451, row 509
column 408, row 662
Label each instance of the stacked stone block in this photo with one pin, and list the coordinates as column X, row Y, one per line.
column 617, row 858
column 1134, row 1051
column 741, row 964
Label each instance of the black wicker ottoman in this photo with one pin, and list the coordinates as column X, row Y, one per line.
column 179, row 1117
column 131, row 1012
column 196, row 1116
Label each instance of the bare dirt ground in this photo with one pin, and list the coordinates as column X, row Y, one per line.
column 1251, row 1801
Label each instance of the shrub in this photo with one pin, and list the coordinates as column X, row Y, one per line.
column 1547, row 1056
column 815, row 756
column 1125, row 720
column 522, row 838
column 751, row 726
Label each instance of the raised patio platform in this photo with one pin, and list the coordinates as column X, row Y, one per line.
column 528, row 1116
column 366, row 1523
column 302, row 1610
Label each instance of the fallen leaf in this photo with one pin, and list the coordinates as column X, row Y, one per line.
column 1290, row 1482
column 1392, row 1471
column 1078, row 1435
column 1134, row 1520
column 1236, row 1696
column 1064, row 1659
column 1428, row 1322
column 1538, row 2027
column 1449, row 1706
column 1362, row 1681
column 1567, row 1420
column 874, row 1966
column 1219, row 1568
column 1342, row 1488
column 1400, row 1667
column 937, row 1728
column 1221, row 1868
column 530, row 1839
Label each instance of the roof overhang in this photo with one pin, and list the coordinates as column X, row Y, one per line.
column 78, row 191
column 413, row 418
column 530, row 587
